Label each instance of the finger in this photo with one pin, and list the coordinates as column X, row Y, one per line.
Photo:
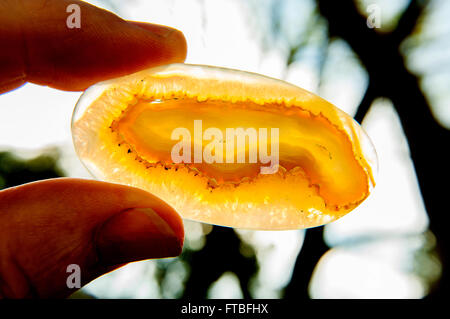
column 48, row 225
column 41, row 48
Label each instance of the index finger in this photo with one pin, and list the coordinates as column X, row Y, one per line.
column 41, row 48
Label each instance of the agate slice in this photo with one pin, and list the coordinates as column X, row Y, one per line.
column 226, row 147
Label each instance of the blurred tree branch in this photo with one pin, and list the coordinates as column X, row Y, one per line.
column 389, row 77
column 312, row 249
column 17, row 171
column 222, row 252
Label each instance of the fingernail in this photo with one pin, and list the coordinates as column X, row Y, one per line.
column 173, row 39
column 157, row 29
column 136, row 234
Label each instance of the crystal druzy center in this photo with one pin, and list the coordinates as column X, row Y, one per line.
column 305, row 141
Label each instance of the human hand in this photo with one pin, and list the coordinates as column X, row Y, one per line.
column 47, row 225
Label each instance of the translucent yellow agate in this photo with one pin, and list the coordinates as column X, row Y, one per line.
column 122, row 133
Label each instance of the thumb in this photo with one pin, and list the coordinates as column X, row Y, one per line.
column 136, row 234
column 49, row 225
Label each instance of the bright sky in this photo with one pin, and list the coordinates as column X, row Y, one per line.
column 234, row 34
